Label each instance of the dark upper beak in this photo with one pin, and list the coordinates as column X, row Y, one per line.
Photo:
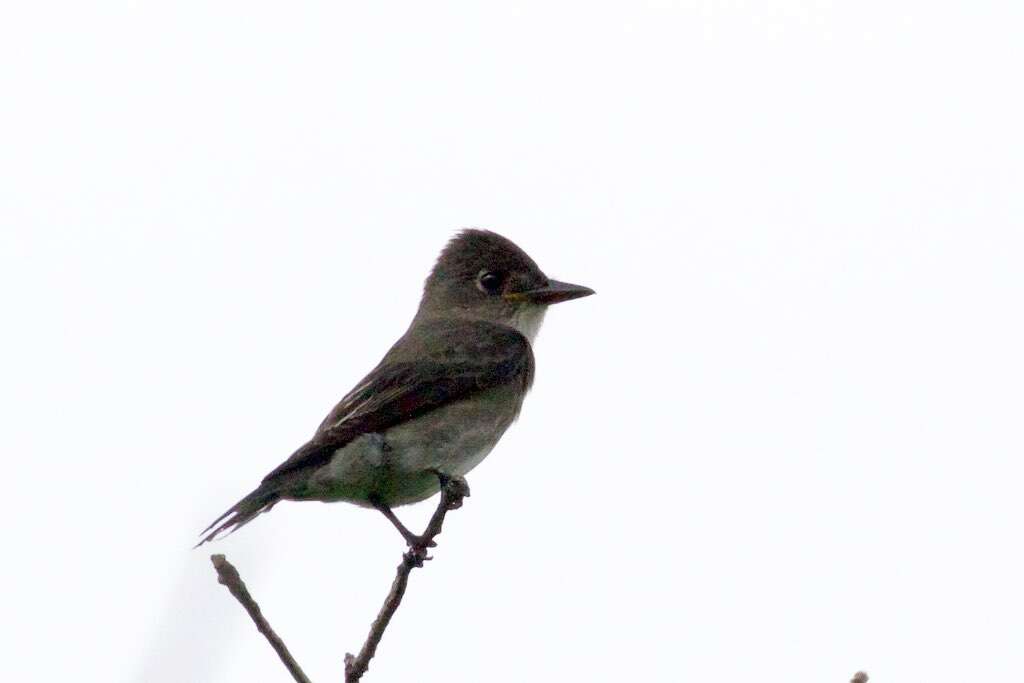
column 552, row 293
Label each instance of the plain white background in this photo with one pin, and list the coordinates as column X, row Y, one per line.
column 782, row 443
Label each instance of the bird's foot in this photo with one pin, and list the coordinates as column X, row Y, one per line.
column 418, row 541
column 415, row 557
column 453, row 490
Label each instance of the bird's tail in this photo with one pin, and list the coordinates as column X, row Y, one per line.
column 242, row 512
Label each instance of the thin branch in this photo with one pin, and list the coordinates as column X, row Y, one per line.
column 228, row 576
column 452, row 493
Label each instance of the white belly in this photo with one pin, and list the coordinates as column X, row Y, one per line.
column 399, row 464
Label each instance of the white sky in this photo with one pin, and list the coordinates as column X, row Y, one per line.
column 783, row 442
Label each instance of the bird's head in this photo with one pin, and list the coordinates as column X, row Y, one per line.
column 482, row 275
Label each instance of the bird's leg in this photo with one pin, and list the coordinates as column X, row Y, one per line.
column 453, row 490
column 414, row 541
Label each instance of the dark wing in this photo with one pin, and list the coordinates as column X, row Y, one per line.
column 434, row 364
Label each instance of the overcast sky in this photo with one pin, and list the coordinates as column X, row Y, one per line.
column 782, row 443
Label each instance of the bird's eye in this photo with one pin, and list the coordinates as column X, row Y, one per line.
column 489, row 282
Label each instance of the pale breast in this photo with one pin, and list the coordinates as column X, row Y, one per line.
column 398, row 465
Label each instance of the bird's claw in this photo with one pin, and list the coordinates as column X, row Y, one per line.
column 415, row 557
column 454, row 489
column 422, row 542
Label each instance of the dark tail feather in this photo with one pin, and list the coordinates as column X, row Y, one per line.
column 241, row 513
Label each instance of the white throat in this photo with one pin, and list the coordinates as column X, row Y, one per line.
column 527, row 320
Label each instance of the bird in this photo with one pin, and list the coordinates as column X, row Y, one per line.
column 440, row 399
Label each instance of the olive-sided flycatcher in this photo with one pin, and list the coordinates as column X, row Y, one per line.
column 440, row 399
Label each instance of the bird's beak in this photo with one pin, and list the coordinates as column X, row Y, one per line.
column 552, row 293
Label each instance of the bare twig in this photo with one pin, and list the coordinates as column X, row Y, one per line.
column 228, row 576
column 452, row 493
